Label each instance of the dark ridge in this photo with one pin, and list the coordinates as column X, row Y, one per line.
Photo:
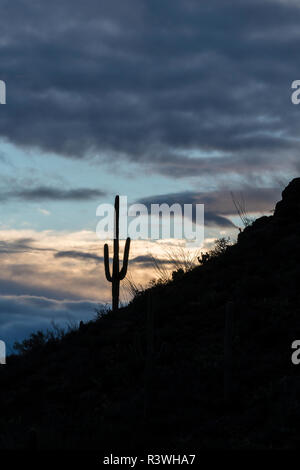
column 121, row 383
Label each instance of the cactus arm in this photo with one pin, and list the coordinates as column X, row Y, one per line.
column 117, row 215
column 106, row 263
column 123, row 271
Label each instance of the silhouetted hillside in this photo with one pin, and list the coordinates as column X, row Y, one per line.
column 152, row 374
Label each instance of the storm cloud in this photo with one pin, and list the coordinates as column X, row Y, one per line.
column 181, row 87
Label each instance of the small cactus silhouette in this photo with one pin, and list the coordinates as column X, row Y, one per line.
column 117, row 274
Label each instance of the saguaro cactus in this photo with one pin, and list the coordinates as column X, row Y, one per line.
column 117, row 274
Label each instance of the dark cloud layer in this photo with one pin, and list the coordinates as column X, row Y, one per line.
column 19, row 288
column 152, row 81
column 141, row 260
column 22, row 245
column 145, row 261
column 81, row 255
column 51, row 193
column 219, row 205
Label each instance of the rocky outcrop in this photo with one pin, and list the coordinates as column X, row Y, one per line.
column 289, row 206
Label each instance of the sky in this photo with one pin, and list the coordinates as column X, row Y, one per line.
column 158, row 100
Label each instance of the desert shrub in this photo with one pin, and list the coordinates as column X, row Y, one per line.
column 220, row 247
column 39, row 339
column 176, row 275
column 102, row 310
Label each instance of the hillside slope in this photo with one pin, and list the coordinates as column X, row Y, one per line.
column 134, row 380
